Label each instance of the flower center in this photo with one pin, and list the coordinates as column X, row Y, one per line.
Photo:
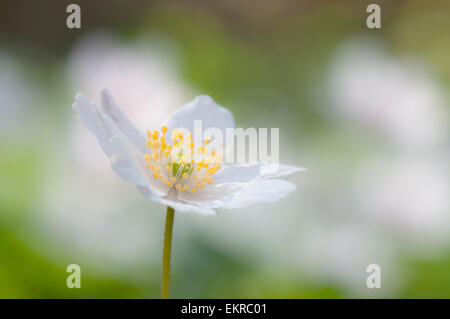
column 179, row 164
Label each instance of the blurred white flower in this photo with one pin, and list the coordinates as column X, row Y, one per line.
column 143, row 74
column 402, row 195
column 163, row 168
column 19, row 97
column 396, row 98
column 408, row 198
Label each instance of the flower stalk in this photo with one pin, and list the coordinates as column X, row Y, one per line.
column 165, row 283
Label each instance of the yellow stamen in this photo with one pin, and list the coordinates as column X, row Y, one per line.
column 174, row 134
column 162, row 158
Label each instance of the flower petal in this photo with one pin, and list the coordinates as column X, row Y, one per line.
column 91, row 117
column 239, row 173
column 278, row 170
column 130, row 165
column 170, row 200
column 242, row 173
column 244, row 194
column 122, row 123
column 126, row 158
column 263, row 191
column 208, row 194
column 122, row 163
column 202, row 108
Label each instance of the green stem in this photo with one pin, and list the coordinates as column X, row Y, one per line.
column 166, row 253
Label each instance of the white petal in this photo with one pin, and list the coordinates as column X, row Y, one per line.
column 238, row 173
column 278, row 170
column 263, row 191
column 242, row 173
column 122, row 123
column 201, row 108
column 208, row 194
column 91, row 117
column 186, row 207
column 245, row 194
column 122, row 162
column 177, row 205
column 127, row 160
column 130, row 165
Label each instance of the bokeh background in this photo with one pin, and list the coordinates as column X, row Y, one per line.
column 366, row 111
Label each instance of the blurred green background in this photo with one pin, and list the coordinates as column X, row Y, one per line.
column 366, row 111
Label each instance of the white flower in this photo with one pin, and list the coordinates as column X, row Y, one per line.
column 134, row 70
column 408, row 197
column 393, row 97
column 161, row 167
column 18, row 91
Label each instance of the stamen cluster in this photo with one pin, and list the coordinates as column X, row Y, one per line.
column 178, row 163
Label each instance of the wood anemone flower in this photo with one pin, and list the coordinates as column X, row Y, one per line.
column 168, row 167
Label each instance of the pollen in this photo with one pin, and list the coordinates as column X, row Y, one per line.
column 171, row 159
